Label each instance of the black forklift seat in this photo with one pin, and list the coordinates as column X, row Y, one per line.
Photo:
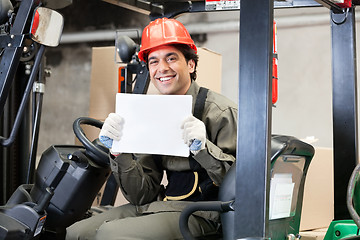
column 63, row 191
column 290, row 159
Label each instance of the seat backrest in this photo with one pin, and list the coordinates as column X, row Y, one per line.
column 290, row 159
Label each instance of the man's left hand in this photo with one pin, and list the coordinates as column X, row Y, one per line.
column 194, row 134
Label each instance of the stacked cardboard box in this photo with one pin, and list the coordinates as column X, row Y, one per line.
column 318, row 203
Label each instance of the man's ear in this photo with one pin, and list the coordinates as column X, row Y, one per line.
column 191, row 65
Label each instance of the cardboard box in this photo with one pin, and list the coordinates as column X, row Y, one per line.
column 316, row 234
column 318, row 202
column 209, row 69
column 103, row 83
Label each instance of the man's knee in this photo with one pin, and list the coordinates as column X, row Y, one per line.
column 87, row 228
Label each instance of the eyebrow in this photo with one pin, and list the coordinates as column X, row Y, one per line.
column 167, row 55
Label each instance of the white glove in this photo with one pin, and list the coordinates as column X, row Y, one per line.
column 111, row 130
column 194, row 134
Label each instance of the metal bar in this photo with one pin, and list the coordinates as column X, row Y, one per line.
column 344, row 106
column 296, row 3
column 8, row 141
column 172, row 9
column 142, row 79
column 11, row 41
column 254, row 119
column 157, row 8
column 22, row 17
column 11, row 56
column 7, row 189
column 34, row 139
column 38, row 89
column 331, row 5
column 9, row 63
column 144, row 7
column 21, row 143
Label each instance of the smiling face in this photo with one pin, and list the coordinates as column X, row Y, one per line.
column 169, row 70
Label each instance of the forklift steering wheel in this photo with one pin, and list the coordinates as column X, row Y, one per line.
column 98, row 155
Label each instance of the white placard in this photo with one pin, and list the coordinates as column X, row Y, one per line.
column 281, row 193
column 152, row 123
column 218, row 5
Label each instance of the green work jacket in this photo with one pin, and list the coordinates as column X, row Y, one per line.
column 140, row 175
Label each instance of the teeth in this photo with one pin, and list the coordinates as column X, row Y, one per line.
column 164, row 79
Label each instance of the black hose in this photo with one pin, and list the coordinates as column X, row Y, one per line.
column 37, row 100
column 35, row 139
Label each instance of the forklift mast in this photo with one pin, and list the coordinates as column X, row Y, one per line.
column 255, row 81
column 255, row 75
column 22, row 73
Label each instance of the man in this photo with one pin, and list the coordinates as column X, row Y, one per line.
column 153, row 211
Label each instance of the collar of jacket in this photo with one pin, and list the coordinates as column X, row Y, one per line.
column 193, row 91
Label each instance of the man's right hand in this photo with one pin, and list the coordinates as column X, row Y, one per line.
column 111, row 130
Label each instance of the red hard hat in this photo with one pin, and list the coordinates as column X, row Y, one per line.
column 164, row 31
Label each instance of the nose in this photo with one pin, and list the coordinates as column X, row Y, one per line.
column 163, row 65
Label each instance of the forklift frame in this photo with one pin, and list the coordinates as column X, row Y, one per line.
column 254, row 117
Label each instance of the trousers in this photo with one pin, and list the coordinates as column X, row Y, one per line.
column 127, row 223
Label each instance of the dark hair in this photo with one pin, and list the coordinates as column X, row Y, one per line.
column 189, row 54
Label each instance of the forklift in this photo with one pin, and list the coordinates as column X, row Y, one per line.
column 257, row 148
column 254, row 130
